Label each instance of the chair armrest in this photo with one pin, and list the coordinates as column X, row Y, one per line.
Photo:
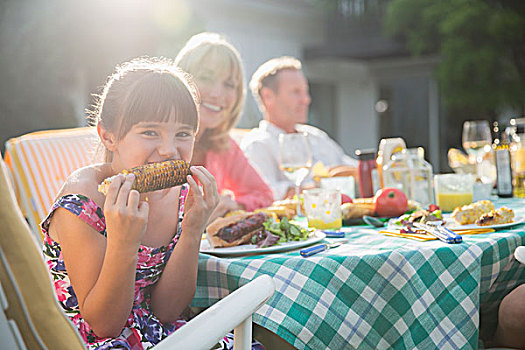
column 211, row 325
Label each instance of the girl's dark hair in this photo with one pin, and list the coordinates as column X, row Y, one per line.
column 145, row 89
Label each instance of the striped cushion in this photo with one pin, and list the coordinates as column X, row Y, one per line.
column 41, row 161
column 30, row 300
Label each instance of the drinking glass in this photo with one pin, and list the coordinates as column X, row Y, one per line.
column 477, row 140
column 323, row 208
column 295, row 160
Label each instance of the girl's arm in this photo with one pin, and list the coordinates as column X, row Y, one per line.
column 176, row 287
column 102, row 270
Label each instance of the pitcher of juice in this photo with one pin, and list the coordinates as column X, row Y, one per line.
column 409, row 172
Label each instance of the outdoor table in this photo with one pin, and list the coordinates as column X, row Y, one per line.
column 378, row 292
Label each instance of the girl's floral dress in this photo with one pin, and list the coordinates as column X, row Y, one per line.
column 143, row 329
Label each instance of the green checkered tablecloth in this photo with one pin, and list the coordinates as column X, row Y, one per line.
column 378, row 292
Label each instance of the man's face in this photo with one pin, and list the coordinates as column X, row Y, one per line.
column 289, row 106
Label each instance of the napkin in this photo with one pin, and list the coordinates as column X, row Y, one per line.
column 426, row 237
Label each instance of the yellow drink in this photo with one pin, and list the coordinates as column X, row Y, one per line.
column 519, row 160
column 449, row 201
column 322, row 225
column 323, row 208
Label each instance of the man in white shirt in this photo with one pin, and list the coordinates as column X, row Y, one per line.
column 281, row 91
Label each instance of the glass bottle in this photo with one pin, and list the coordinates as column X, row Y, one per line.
column 503, row 168
column 495, row 134
column 519, row 169
column 517, row 156
column 367, row 170
column 409, row 172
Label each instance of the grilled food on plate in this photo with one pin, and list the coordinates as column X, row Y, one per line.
column 364, row 200
column 496, row 217
column 356, row 210
column 290, row 203
column 259, row 228
column 234, row 230
column 284, row 208
column 278, row 212
column 468, row 214
column 153, row 177
column 421, row 216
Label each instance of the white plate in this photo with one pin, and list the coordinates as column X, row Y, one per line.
column 249, row 249
column 450, row 223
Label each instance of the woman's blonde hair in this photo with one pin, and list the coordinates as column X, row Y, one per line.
column 144, row 89
column 192, row 57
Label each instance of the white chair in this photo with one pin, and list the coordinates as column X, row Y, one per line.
column 31, row 318
column 519, row 254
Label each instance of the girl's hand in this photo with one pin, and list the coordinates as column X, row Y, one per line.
column 200, row 203
column 126, row 216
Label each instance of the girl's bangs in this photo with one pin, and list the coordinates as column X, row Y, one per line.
column 159, row 98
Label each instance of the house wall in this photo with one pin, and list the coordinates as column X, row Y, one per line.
column 265, row 29
column 262, row 29
column 413, row 103
column 356, row 93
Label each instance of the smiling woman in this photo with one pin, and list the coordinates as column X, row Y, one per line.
column 217, row 70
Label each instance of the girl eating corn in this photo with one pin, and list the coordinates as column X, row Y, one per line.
column 124, row 263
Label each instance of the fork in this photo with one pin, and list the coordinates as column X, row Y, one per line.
column 436, row 229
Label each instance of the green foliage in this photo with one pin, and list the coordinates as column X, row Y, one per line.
column 481, row 44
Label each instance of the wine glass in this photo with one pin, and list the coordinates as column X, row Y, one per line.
column 295, row 160
column 477, row 141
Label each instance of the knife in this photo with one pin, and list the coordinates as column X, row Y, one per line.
column 306, row 252
column 334, row 234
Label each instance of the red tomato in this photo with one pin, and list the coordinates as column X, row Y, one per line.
column 390, row 202
column 433, row 207
column 345, row 199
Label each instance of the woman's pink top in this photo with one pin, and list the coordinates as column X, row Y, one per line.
column 233, row 171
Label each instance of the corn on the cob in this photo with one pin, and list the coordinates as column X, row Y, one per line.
column 468, row 214
column 153, row 177
column 496, row 217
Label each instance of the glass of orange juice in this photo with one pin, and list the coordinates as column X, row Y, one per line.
column 323, row 208
column 453, row 190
